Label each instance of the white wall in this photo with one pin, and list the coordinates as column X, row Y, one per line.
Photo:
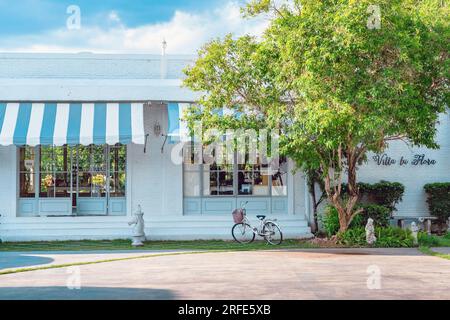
column 93, row 77
column 156, row 182
column 8, row 179
column 413, row 177
column 300, row 206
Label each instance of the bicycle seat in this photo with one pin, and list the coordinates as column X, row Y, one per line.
column 261, row 217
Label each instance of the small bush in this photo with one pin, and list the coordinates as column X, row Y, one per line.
column 353, row 237
column 380, row 200
column 394, row 238
column 330, row 221
column 439, row 200
column 384, row 193
column 389, row 237
column 379, row 214
column 427, row 240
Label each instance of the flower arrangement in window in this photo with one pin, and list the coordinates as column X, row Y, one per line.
column 48, row 180
column 98, row 182
column 98, row 179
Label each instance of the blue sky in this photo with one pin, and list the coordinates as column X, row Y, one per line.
column 119, row 25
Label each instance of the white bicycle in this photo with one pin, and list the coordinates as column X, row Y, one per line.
column 244, row 233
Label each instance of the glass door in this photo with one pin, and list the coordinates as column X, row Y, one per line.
column 91, row 172
column 54, row 181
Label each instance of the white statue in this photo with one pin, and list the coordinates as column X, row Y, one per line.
column 138, row 229
column 415, row 231
column 370, row 232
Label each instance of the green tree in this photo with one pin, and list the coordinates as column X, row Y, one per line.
column 338, row 78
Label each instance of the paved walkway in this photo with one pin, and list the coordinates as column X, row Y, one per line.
column 444, row 250
column 19, row 260
column 287, row 274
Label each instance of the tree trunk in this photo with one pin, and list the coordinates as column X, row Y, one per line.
column 347, row 213
column 345, row 208
column 315, row 224
column 313, row 179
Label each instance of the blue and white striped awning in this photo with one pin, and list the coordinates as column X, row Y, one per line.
column 71, row 123
column 177, row 127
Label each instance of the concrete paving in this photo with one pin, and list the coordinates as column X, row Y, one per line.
column 287, row 274
column 443, row 250
column 18, row 260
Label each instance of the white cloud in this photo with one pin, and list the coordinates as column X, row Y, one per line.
column 113, row 16
column 184, row 33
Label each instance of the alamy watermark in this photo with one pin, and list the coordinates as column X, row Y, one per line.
column 73, row 22
column 230, row 147
column 74, row 278
column 374, row 280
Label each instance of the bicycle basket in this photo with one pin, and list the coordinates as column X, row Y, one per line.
column 238, row 215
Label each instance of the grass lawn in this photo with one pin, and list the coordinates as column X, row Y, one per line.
column 427, row 241
column 149, row 245
column 430, row 252
column 86, row 245
column 434, row 241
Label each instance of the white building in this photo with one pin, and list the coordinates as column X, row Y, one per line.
column 94, row 127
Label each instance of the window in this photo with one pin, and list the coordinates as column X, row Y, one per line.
column 117, row 181
column 91, row 171
column 54, row 172
column 253, row 179
column 74, row 173
column 192, row 172
column 27, row 173
column 218, row 180
column 279, row 180
column 210, row 180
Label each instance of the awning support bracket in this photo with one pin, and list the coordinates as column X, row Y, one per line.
column 164, row 143
column 145, row 143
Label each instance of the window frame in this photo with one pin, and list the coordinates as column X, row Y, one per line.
column 54, row 172
column 73, row 187
column 235, row 170
column 21, row 172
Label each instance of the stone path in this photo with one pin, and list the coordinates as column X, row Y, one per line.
column 287, row 274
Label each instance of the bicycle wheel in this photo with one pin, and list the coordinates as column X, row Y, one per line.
column 272, row 233
column 243, row 233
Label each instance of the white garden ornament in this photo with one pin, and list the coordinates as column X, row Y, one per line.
column 138, row 228
column 414, row 231
column 370, row 232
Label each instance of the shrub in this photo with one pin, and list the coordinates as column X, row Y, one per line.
column 428, row 240
column 439, row 200
column 384, row 193
column 330, row 221
column 380, row 200
column 379, row 214
column 389, row 237
column 353, row 237
column 394, row 238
